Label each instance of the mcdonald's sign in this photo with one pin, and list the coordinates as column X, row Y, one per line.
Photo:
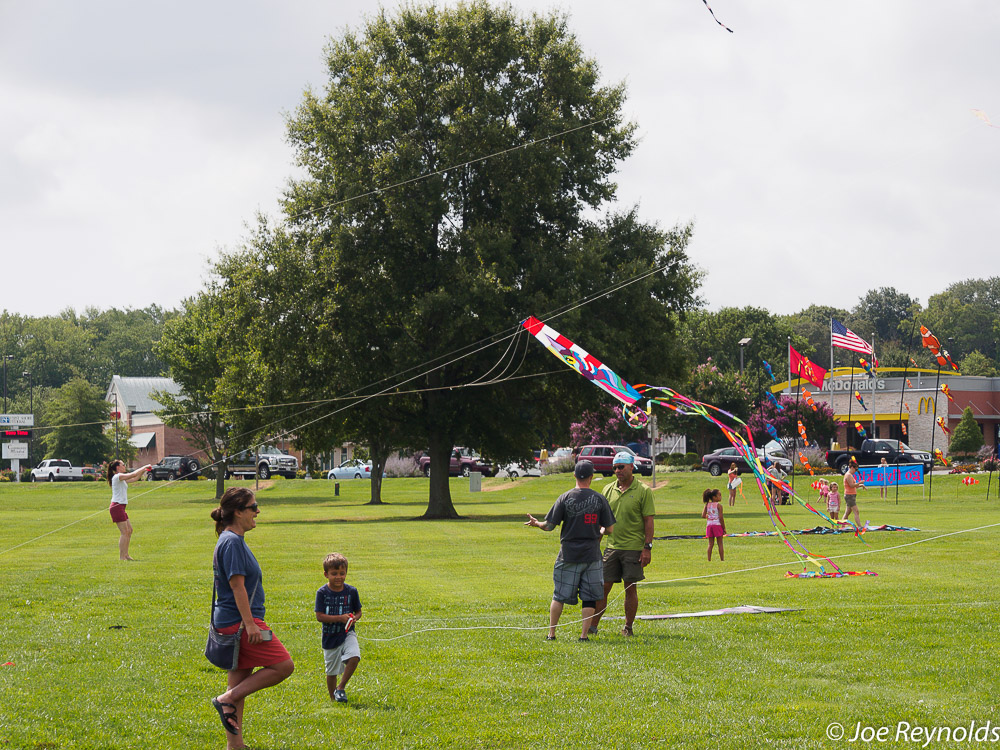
column 927, row 405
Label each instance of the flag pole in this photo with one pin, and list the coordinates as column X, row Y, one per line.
column 874, row 378
column 850, row 408
column 937, row 382
column 902, row 395
column 798, row 417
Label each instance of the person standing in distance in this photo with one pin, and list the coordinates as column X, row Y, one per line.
column 630, row 546
column 585, row 517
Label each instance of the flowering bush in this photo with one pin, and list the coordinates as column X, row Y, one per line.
column 396, row 466
column 602, row 425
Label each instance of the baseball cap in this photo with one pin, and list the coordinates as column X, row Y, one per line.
column 621, row 457
column 584, row 469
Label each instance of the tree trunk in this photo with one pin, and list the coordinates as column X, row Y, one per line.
column 221, row 466
column 378, row 466
column 439, row 503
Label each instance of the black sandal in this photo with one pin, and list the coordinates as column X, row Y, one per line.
column 228, row 717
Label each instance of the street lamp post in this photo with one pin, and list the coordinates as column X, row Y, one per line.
column 31, row 408
column 6, row 357
column 743, row 343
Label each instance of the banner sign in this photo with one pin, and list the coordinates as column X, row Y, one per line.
column 888, row 476
column 17, row 420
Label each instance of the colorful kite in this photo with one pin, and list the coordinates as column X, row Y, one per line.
column 860, row 429
column 984, row 117
column 940, row 456
column 770, row 430
column 868, row 367
column 902, row 426
column 590, row 368
column 732, row 428
column 943, row 425
column 769, row 371
column 729, row 29
column 947, row 392
column 809, row 400
column 967, row 481
column 860, row 400
column 774, row 401
column 802, row 433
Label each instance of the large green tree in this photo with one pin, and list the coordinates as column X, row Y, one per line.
column 424, row 283
column 79, row 414
column 190, row 346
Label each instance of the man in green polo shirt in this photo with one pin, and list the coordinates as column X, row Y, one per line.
column 630, row 544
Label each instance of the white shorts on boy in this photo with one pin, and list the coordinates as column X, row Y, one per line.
column 335, row 657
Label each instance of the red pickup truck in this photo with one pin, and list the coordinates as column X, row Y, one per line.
column 603, row 455
column 464, row 461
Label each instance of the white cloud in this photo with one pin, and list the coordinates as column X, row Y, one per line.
column 822, row 150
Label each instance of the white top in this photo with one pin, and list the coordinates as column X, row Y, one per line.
column 119, row 490
column 712, row 514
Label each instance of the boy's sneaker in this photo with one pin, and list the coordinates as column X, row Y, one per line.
column 340, row 696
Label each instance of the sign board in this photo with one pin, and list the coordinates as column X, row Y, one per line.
column 15, row 450
column 16, row 420
column 888, row 476
column 15, row 434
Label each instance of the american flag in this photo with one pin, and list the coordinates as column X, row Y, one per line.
column 845, row 338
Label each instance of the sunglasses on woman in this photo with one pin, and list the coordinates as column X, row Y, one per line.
column 254, row 507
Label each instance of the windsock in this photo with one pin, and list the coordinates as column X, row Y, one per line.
column 802, row 433
column 805, row 463
column 809, row 400
column 943, row 425
column 860, row 429
column 860, row 400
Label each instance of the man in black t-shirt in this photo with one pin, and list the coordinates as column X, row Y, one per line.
column 585, row 517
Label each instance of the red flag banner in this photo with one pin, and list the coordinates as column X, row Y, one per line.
column 804, row 368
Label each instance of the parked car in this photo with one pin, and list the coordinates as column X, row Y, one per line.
column 463, row 462
column 518, row 469
column 263, row 463
column 56, row 470
column 174, row 467
column 602, row 457
column 873, row 451
column 353, row 468
column 718, row 462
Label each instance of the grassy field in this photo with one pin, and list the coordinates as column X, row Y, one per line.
column 109, row 655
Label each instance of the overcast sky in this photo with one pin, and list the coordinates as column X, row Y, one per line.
column 821, row 150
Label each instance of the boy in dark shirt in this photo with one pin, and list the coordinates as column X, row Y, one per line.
column 585, row 517
column 338, row 607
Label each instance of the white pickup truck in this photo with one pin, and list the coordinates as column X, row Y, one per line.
column 56, row 470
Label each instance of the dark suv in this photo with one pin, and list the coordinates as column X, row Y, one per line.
column 602, row 457
column 174, row 467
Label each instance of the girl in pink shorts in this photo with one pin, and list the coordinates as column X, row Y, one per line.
column 833, row 501
column 716, row 527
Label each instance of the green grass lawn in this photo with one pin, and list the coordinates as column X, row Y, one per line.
column 915, row 644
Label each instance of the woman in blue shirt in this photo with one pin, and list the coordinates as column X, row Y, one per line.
column 240, row 602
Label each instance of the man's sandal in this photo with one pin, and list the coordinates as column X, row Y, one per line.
column 228, row 717
column 627, row 631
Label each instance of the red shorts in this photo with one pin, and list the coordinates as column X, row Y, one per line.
column 713, row 531
column 262, row 654
column 118, row 513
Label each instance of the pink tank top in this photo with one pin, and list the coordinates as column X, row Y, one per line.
column 712, row 514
